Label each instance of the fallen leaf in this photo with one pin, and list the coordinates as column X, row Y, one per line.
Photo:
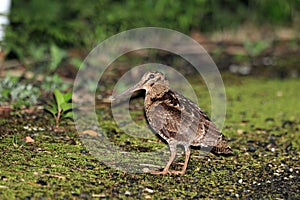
column 28, row 139
column 98, row 195
column 90, row 132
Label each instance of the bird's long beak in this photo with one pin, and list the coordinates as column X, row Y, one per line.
column 129, row 91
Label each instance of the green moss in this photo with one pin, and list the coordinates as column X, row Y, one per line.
column 262, row 125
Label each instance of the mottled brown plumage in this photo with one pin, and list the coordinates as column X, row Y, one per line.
column 177, row 119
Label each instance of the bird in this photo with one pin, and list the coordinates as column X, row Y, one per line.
column 177, row 120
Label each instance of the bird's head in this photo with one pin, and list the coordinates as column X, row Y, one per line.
column 150, row 80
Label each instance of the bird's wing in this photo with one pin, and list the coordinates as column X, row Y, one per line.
column 164, row 116
column 174, row 116
column 207, row 133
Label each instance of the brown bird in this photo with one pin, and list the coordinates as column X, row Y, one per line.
column 177, row 119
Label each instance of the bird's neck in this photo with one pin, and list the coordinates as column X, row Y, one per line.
column 157, row 91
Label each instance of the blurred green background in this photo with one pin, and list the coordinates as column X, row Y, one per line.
column 36, row 25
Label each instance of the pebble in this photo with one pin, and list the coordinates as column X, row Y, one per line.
column 149, row 190
column 127, row 193
column 146, row 170
column 241, row 181
column 252, row 149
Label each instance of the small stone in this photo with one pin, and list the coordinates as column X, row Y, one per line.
column 276, row 174
column 127, row 193
column 90, row 167
column 83, row 151
column 241, row 181
column 149, row 190
column 252, row 149
column 146, row 170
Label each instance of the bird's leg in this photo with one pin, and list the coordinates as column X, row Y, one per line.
column 172, row 157
column 187, row 157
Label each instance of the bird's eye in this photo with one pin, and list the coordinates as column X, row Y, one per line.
column 151, row 76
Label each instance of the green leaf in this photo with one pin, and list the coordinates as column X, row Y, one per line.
column 59, row 98
column 68, row 96
column 52, row 110
column 66, row 106
column 53, row 105
column 68, row 115
column 57, row 56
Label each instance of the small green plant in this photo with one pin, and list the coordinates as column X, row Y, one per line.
column 62, row 107
column 16, row 142
column 18, row 94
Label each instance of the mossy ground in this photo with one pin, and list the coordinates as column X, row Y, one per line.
column 262, row 125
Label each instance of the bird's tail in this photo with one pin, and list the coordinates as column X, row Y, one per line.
column 222, row 147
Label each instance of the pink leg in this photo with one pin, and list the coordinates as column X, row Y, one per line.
column 172, row 157
column 186, row 161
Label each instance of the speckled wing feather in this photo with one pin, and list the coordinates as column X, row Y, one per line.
column 208, row 135
column 174, row 115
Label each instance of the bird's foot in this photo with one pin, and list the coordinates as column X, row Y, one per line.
column 164, row 172
column 177, row 172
